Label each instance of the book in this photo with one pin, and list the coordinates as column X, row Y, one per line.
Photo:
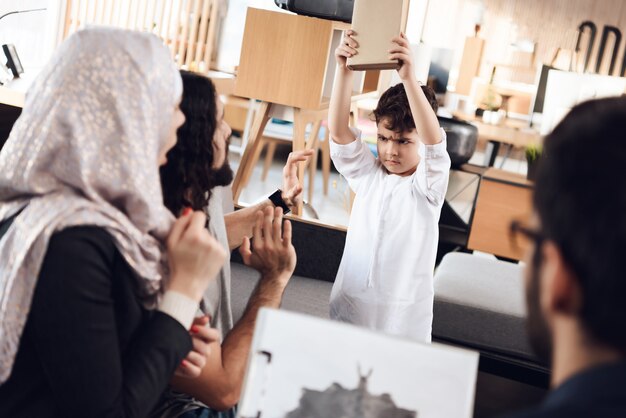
column 307, row 367
column 375, row 23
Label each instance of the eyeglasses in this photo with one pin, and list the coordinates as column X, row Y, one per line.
column 517, row 230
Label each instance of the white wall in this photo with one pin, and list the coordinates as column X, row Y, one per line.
column 231, row 36
column 35, row 35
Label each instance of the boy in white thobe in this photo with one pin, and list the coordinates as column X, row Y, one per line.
column 385, row 280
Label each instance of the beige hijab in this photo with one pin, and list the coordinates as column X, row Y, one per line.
column 85, row 152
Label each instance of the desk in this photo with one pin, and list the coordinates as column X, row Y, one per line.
column 502, row 198
column 13, row 92
column 509, row 133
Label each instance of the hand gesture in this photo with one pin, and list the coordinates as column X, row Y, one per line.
column 194, row 256
column 273, row 254
column 292, row 190
column 346, row 49
column 202, row 338
column 401, row 51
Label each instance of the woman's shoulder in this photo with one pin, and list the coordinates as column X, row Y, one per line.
column 83, row 242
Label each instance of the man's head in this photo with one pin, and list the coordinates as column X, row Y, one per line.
column 398, row 141
column 199, row 160
column 576, row 276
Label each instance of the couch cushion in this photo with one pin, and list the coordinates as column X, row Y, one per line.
column 480, row 302
column 308, row 296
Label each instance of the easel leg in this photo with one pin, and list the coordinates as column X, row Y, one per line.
column 314, row 145
column 245, row 167
column 299, row 130
column 269, row 157
column 326, row 160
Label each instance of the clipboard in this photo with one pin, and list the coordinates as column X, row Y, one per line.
column 375, row 23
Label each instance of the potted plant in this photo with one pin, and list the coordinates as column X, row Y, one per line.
column 533, row 153
column 490, row 102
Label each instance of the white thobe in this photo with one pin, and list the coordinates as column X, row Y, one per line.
column 385, row 279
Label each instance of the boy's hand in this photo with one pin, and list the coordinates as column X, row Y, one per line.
column 273, row 254
column 402, row 51
column 346, row 49
column 292, row 190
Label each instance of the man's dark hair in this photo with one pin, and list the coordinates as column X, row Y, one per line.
column 580, row 197
column 188, row 176
column 393, row 106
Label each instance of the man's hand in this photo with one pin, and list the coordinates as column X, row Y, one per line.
column 273, row 254
column 402, row 51
column 201, row 336
column 292, row 190
column 346, row 49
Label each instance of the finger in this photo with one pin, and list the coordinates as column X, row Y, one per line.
column 339, row 52
column 278, row 225
column 200, row 321
column 298, row 154
column 245, row 252
column 349, row 41
column 295, row 191
column 213, row 335
column 348, row 50
column 189, row 369
column 196, row 225
column 400, row 57
column 258, row 229
column 287, row 234
column 267, row 225
column 196, row 359
column 301, row 155
column 200, row 347
column 205, row 334
column 178, row 228
column 399, row 49
column 400, row 41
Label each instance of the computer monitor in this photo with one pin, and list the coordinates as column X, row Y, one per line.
column 13, row 60
column 440, row 66
column 541, row 88
column 565, row 89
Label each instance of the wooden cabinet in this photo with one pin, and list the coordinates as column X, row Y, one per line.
column 502, row 198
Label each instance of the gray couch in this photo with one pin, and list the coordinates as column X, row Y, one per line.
column 479, row 304
column 308, row 296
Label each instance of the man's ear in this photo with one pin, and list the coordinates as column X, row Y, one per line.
column 561, row 292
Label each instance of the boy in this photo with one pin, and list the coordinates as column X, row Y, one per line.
column 385, row 280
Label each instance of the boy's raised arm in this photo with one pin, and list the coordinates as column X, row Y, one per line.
column 425, row 119
column 339, row 111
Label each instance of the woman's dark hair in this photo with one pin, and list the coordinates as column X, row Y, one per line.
column 393, row 106
column 187, row 178
column 580, row 197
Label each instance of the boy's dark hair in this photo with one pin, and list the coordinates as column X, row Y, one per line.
column 187, row 178
column 580, row 197
column 393, row 106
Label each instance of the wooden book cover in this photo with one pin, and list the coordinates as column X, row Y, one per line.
column 375, row 22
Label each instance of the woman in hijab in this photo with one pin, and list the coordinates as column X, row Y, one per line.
column 87, row 325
